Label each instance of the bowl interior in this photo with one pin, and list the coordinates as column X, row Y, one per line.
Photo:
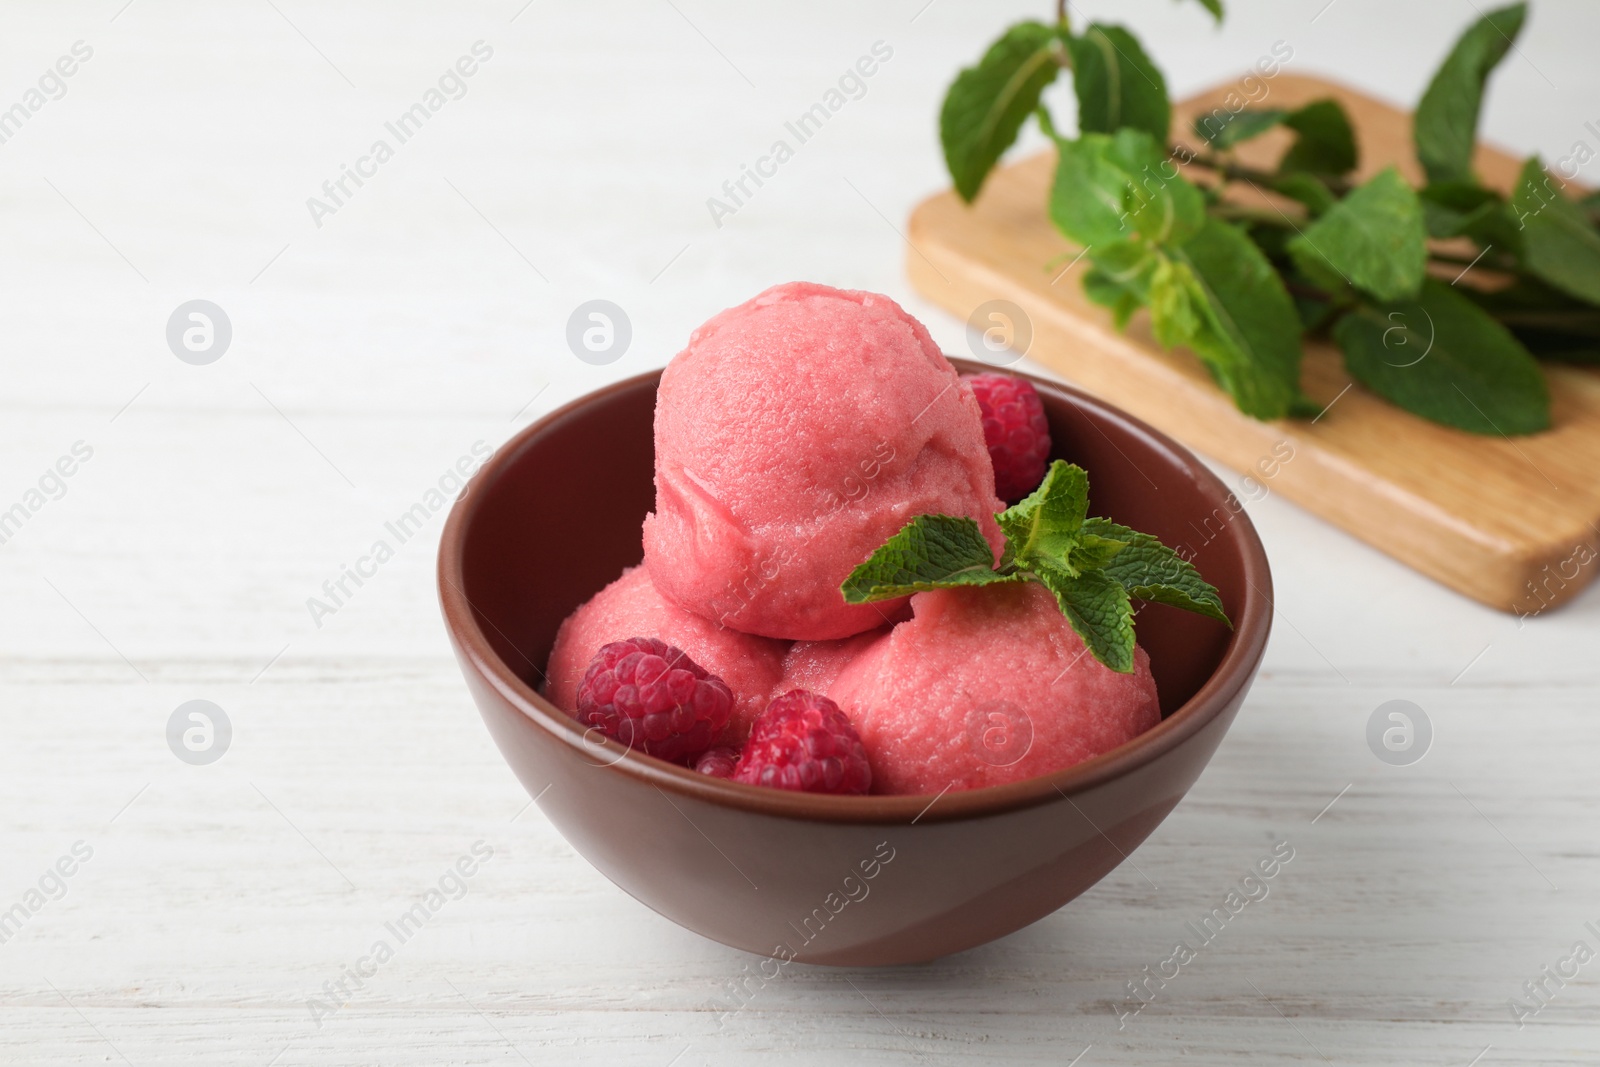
column 559, row 512
column 558, row 520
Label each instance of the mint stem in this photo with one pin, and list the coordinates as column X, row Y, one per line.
column 1494, row 263
column 1237, row 171
column 1310, row 292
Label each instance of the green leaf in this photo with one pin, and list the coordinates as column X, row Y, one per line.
column 1321, row 274
column 1559, row 245
column 986, row 105
column 1446, row 122
column 1442, row 357
column 1093, row 552
column 1460, row 195
column 1272, row 240
column 1326, row 143
column 1110, row 187
column 1178, row 313
column 1117, row 84
column 1161, row 203
column 1045, row 522
column 1306, row 189
column 929, row 552
column 1120, row 278
column 1149, row 570
column 1316, row 299
column 1251, row 339
column 1088, row 198
column 1463, row 208
column 1102, row 289
column 1213, row 6
column 1099, row 611
column 1374, row 238
column 1314, row 315
column 1233, row 127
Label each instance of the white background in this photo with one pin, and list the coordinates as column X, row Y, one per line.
column 372, row 352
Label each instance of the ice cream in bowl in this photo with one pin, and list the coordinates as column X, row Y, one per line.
column 836, row 650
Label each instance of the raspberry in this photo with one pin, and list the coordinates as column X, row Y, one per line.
column 1016, row 431
column 803, row 742
column 718, row 762
column 653, row 697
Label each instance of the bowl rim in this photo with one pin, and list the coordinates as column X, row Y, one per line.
column 1240, row 660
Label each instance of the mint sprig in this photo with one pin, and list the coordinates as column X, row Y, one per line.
column 1093, row 566
column 1242, row 284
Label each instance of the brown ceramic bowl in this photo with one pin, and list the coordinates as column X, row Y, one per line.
column 555, row 515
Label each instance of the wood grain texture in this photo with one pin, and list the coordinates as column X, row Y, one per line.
column 1508, row 521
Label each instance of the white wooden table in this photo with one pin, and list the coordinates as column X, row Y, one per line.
column 427, row 313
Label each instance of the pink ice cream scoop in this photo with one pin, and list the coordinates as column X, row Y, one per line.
column 985, row 686
column 631, row 607
column 816, row 665
column 794, row 436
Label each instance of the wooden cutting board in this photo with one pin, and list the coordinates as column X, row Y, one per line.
column 1512, row 522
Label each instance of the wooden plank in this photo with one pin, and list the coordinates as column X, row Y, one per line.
column 1510, row 522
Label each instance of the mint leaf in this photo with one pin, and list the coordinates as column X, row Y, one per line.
column 1104, row 289
column 1149, row 570
column 987, row 104
column 1442, row 357
column 1326, row 143
column 1318, row 295
column 1045, row 523
column 1224, row 129
column 1213, row 6
column 1120, row 278
column 929, row 552
column 1111, row 187
column 1117, row 84
column 1099, row 611
column 1463, row 208
column 1321, row 274
column 1251, row 336
column 1089, row 193
column 1559, row 245
column 1374, row 237
column 1306, row 189
column 1446, row 120
column 1459, row 194
column 1163, row 205
column 1178, row 313
column 1093, row 552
